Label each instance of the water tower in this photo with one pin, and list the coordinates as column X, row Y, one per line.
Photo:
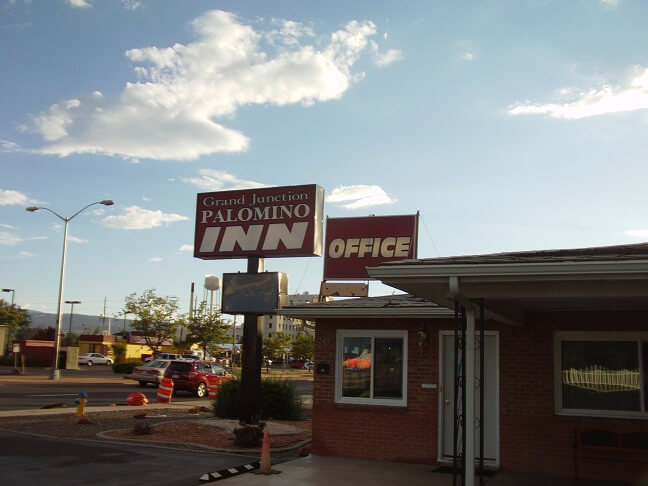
column 212, row 283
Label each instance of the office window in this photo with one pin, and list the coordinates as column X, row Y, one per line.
column 371, row 367
column 599, row 373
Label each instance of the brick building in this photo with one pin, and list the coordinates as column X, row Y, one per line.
column 565, row 382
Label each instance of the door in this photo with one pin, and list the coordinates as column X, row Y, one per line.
column 491, row 395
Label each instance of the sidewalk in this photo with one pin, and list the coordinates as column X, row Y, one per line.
column 342, row 471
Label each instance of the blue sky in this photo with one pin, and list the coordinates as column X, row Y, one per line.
column 510, row 125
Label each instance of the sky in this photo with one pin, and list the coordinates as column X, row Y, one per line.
column 510, row 125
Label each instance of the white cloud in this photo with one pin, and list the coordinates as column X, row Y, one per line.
column 605, row 100
column 218, row 180
column 384, row 59
column 9, row 239
column 155, row 259
column 78, row 3
column 185, row 94
column 468, row 56
column 7, row 226
column 25, row 254
column 186, row 248
column 131, row 4
column 611, row 3
column 359, row 196
column 134, row 217
column 75, row 239
column 13, row 198
column 638, row 233
column 10, row 147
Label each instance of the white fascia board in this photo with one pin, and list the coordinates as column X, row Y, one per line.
column 421, row 270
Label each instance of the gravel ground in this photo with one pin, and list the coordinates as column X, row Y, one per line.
column 178, row 428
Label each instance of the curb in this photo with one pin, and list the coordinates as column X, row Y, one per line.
column 278, row 450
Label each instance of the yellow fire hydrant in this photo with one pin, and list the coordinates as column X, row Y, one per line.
column 82, row 398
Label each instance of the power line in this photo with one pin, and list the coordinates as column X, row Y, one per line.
column 428, row 233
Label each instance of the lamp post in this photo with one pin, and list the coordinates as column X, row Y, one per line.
column 71, row 302
column 55, row 374
column 13, row 294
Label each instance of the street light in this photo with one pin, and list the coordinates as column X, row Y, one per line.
column 72, row 302
column 13, row 294
column 55, row 375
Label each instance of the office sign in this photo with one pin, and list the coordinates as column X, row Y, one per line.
column 352, row 244
column 267, row 222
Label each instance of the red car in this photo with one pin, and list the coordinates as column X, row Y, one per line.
column 195, row 376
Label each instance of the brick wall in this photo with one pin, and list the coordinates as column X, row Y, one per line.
column 532, row 438
column 405, row 434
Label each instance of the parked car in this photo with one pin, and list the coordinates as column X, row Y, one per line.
column 169, row 356
column 297, row 363
column 93, row 359
column 151, row 372
column 195, row 376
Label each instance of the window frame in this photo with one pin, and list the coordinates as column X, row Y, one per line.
column 373, row 334
column 638, row 337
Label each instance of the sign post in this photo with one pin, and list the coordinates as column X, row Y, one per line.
column 252, row 357
column 257, row 224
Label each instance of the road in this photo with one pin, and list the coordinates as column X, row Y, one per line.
column 34, row 460
column 26, row 459
column 102, row 386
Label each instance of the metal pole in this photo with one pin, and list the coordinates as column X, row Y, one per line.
column 252, row 358
column 469, row 390
column 55, row 374
column 482, row 351
column 71, row 302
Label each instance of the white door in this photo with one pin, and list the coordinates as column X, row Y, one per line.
column 491, row 394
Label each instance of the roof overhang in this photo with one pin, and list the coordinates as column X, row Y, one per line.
column 386, row 307
column 511, row 290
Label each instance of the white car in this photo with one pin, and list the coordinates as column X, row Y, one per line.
column 93, row 359
column 151, row 372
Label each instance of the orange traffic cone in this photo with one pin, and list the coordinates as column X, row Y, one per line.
column 265, row 467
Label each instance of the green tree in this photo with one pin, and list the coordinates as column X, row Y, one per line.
column 119, row 351
column 303, row 347
column 16, row 319
column 276, row 346
column 155, row 317
column 207, row 329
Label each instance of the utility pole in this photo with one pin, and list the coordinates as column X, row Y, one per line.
column 103, row 318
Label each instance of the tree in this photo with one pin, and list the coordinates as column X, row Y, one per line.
column 207, row 329
column 155, row 317
column 303, row 347
column 119, row 351
column 276, row 346
column 45, row 334
column 16, row 319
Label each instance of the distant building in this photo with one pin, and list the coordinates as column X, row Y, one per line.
column 273, row 324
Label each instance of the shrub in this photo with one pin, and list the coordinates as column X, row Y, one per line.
column 249, row 435
column 279, row 400
column 125, row 368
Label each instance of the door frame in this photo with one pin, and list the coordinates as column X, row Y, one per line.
column 441, row 406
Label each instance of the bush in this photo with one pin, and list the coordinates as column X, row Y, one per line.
column 125, row 368
column 279, row 400
column 249, row 436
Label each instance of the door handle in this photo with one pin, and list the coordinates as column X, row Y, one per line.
column 447, row 402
